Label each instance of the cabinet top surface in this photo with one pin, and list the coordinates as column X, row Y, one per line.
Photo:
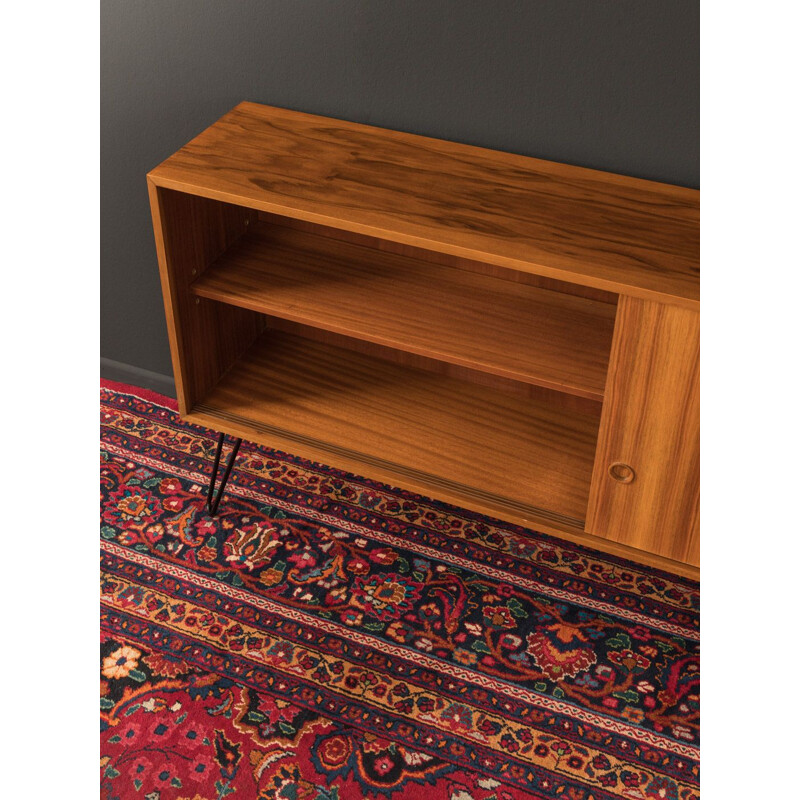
column 600, row 229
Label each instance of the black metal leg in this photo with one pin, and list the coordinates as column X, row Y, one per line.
column 213, row 502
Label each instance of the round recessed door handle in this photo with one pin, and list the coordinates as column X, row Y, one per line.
column 623, row 473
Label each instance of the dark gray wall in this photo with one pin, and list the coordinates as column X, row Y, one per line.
column 610, row 84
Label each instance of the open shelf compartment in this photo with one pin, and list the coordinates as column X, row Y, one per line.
column 409, row 427
column 521, row 332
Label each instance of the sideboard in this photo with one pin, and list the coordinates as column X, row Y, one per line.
column 515, row 336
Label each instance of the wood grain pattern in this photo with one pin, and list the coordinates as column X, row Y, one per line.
column 520, row 332
column 651, row 421
column 607, row 231
column 412, row 424
column 205, row 338
column 443, row 259
column 527, row 391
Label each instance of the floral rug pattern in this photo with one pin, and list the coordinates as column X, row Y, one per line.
column 327, row 636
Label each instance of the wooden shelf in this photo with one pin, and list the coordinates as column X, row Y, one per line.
column 525, row 333
column 409, row 427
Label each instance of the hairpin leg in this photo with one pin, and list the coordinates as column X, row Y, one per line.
column 213, row 502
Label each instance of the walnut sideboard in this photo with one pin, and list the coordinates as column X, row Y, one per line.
column 512, row 335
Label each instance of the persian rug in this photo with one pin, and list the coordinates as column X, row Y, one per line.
column 329, row 637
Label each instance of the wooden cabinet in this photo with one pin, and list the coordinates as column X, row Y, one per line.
column 489, row 329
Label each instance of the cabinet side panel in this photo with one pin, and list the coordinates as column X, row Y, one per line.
column 205, row 337
column 651, row 422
